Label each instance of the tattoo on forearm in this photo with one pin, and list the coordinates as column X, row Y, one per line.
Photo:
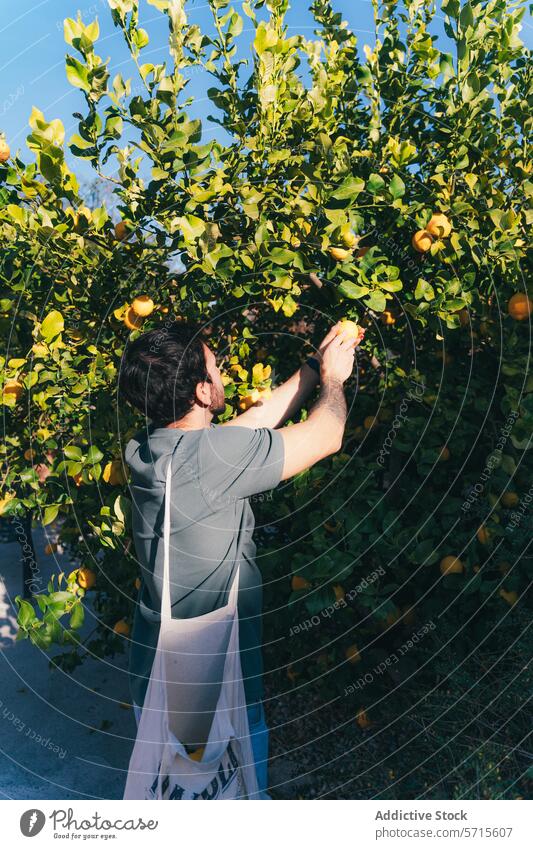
column 332, row 398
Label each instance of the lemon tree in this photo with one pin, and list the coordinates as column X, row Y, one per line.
column 389, row 186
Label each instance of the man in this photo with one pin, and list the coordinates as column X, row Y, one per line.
column 171, row 376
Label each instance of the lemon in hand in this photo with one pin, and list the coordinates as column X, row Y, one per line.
column 350, row 329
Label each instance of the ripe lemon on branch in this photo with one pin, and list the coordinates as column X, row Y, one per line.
column 370, row 422
column 121, row 231
column 142, row 305
column 299, row 583
column 352, row 654
column 114, row 473
column 86, row 578
column 511, row 596
column 483, row 535
column 451, row 565
column 422, row 241
column 439, row 226
column 520, row 306
column 5, row 152
column 133, row 320
column 388, row 317
column 349, row 239
column 340, row 254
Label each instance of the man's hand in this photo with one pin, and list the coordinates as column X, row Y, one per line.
column 333, row 334
column 338, row 360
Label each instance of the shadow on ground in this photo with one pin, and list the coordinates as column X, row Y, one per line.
column 62, row 736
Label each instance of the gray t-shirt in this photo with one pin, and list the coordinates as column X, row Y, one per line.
column 214, row 471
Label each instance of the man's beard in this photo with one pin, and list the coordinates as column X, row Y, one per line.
column 218, row 404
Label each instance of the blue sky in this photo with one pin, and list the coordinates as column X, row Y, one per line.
column 32, row 53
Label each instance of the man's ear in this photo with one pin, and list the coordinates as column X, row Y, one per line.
column 203, row 393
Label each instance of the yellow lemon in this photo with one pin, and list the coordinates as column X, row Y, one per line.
column 349, row 328
column 86, row 578
column 133, row 320
column 339, row 254
column 439, row 226
column 142, row 305
column 4, row 151
column 520, row 306
column 422, row 241
column 451, row 565
column 114, row 473
column 510, row 597
column 352, row 654
column 121, row 231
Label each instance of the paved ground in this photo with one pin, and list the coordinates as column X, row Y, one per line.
column 65, row 736
column 61, row 736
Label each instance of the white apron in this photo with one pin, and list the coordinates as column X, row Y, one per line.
column 195, row 698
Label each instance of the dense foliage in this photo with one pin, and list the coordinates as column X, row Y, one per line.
column 312, row 204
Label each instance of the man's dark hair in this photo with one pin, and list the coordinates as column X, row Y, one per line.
column 160, row 370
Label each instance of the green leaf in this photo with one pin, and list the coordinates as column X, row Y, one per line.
column 72, row 452
column 265, row 38
column 470, row 87
column 375, row 184
column 71, row 30
column 446, row 66
column 451, row 7
column 248, row 10
column 141, row 38
column 94, row 455
column 50, row 513
column 113, row 127
column 77, row 616
column 121, row 508
column 52, row 325
column 424, row 290
column 508, row 220
column 192, row 227
column 508, row 464
column 425, row 553
column 349, row 188
column 77, row 74
column 397, row 187
column 376, row 301
column 466, row 18
column 282, row 256
column 352, row 290
column 496, row 216
column 391, row 285
column 26, row 613
column 236, row 25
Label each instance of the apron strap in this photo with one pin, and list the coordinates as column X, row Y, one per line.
column 234, row 592
column 166, row 611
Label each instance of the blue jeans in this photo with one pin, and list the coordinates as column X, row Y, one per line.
column 259, row 740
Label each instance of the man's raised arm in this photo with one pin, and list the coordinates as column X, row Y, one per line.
column 289, row 398
column 321, row 434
